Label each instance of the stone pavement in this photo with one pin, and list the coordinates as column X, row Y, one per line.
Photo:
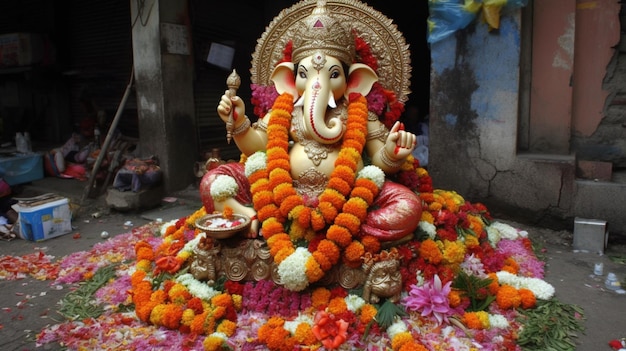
column 27, row 305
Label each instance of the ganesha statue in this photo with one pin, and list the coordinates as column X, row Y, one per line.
column 329, row 83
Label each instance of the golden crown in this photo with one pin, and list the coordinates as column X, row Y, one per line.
column 292, row 25
column 321, row 32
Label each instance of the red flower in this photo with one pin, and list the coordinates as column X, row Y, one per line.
column 169, row 264
column 330, row 331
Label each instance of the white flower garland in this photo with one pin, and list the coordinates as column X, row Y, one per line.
column 542, row 289
column 223, row 187
column 292, row 270
column 374, row 174
column 257, row 161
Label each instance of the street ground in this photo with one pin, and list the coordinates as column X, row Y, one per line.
column 27, row 305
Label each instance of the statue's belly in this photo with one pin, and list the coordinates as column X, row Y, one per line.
column 322, row 162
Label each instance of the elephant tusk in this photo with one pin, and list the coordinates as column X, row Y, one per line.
column 299, row 102
column 331, row 101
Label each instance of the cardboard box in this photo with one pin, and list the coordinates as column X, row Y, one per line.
column 44, row 217
column 21, row 168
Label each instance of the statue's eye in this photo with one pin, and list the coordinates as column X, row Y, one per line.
column 302, row 74
column 334, row 74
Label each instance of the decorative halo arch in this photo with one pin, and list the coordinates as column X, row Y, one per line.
column 385, row 40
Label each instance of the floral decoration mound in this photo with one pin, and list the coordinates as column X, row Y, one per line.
column 468, row 283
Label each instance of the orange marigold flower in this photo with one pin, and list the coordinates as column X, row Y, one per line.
column 340, row 235
column 218, row 312
column 296, row 232
column 401, row 339
column 328, row 211
column 304, row 335
column 368, row 312
column 428, row 217
column 528, row 299
column 337, row 305
column 429, row 250
column 289, row 204
column 351, row 156
column 271, row 227
column 281, row 190
column 144, row 253
column 435, row 206
column 471, row 241
column 227, row 327
column 345, row 173
column 262, row 198
column 283, row 253
column 334, row 197
column 259, row 176
column 356, row 208
column 279, row 176
column 368, row 184
column 508, row 297
column 354, row 134
column 511, row 266
column 454, row 298
column 362, row 193
column 222, row 299
column 317, row 220
column 313, row 270
column 329, row 249
column 349, row 220
column 370, row 244
column 282, row 163
column 320, row 297
column 267, row 212
column 352, row 144
column 472, row 321
column 322, row 261
column 172, row 316
column 348, row 162
column 137, row 277
column 494, row 285
column 227, row 212
column 260, row 184
column 340, row 185
column 197, row 325
column 304, row 216
column 354, row 252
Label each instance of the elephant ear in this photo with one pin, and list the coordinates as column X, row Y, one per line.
column 284, row 79
column 361, row 78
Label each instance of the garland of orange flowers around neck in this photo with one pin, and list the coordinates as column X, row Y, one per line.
column 330, row 227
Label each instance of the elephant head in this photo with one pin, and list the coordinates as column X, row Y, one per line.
column 317, row 82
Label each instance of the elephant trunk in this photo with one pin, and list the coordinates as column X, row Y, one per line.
column 316, row 101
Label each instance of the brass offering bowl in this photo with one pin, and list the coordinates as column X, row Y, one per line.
column 218, row 227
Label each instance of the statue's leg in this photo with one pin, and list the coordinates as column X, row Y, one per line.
column 398, row 212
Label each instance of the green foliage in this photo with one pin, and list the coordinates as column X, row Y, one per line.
column 387, row 314
column 551, row 326
column 80, row 303
column 476, row 289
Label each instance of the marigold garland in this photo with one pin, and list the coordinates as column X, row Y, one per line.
column 341, row 208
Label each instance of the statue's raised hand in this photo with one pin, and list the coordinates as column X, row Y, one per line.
column 400, row 143
column 228, row 102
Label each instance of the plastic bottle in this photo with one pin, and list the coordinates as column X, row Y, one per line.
column 611, row 282
column 29, row 143
column 20, row 143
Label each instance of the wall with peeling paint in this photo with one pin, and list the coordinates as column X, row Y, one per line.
column 475, row 118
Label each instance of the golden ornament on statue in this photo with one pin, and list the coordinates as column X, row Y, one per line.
column 233, row 82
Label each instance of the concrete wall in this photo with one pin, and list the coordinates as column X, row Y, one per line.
column 475, row 115
column 163, row 67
